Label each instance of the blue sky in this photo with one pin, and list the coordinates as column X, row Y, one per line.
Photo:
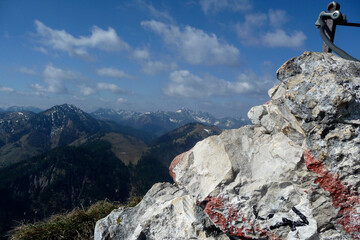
column 218, row 56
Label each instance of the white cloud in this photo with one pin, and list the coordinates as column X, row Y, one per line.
column 86, row 90
column 280, row 38
column 110, row 87
column 141, row 54
column 78, row 98
column 257, row 19
column 17, row 93
column 151, row 67
column 38, row 88
column 121, row 100
column 247, row 31
column 7, row 90
column 106, row 40
column 154, row 67
column 155, row 13
column 26, row 70
column 113, row 73
column 239, row 87
column 214, row 6
column 55, row 79
column 185, row 84
column 266, row 30
column 194, row 45
column 41, row 49
column 277, row 17
column 52, row 72
column 111, row 101
column 260, row 84
column 159, row 14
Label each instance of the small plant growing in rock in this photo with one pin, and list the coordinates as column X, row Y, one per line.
column 134, row 200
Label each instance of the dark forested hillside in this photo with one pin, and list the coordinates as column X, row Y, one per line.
column 59, row 180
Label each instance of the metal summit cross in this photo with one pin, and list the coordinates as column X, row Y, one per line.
column 331, row 27
column 327, row 23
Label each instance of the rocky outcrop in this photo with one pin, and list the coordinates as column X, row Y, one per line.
column 293, row 174
column 166, row 212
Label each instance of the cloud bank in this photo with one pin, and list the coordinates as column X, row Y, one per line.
column 215, row 6
column 113, row 73
column 55, row 79
column 185, row 84
column 105, row 40
column 194, row 45
column 266, row 30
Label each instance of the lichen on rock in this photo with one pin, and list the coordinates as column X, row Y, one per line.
column 293, row 174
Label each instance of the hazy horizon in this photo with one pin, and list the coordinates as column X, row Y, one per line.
column 117, row 110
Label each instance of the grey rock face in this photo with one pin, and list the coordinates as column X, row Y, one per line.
column 166, row 212
column 294, row 174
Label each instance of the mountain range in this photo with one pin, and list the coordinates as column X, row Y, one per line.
column 21, row 108
column 61, row 158
column 154, row 123
column 26, row 134
column 161, row 122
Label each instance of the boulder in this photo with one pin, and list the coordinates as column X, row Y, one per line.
column 293, row 174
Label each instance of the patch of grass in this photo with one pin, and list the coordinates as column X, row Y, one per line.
column 133, row 201
column 79, row 224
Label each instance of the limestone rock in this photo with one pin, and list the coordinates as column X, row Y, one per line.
column 293, row 174
column 166, row 212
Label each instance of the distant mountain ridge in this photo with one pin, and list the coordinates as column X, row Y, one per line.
column 161, row 122
column 155, row 123
column 26, row 134
column 21, row 108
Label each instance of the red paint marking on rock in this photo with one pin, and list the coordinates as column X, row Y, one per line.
column 213, row 206
column 264, row 233
column 341, row 196
column 314, row 165
column 173, row 164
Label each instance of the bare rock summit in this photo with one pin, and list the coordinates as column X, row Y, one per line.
column 293, row 174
